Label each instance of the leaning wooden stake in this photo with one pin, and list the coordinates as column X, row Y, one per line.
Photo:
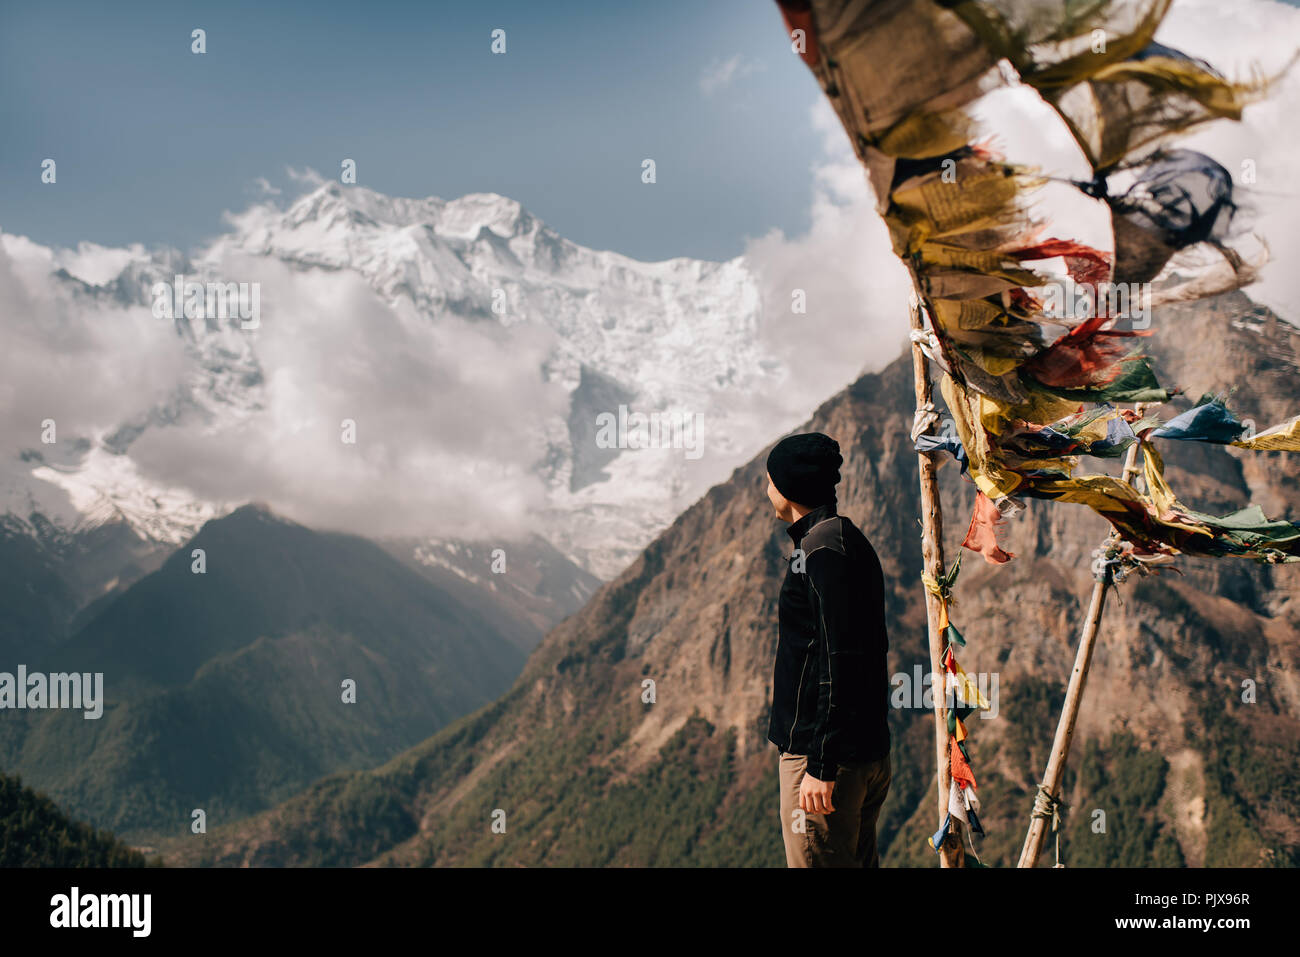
column 952, row 853
column 1047, row 791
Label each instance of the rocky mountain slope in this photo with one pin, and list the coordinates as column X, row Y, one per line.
column 35, row 833
column 529, row 582
column 576, row 765
column 223, row 690
column 53, row 580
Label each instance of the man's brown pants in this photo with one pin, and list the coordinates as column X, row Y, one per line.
column 847, row 836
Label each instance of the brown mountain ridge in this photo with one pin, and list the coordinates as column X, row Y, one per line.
column 573, row 767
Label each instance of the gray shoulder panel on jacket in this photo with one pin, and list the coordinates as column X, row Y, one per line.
column 827, row 534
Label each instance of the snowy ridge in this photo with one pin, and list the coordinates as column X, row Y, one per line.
column 675, row 336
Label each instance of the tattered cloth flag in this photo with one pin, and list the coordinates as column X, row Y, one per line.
column 902, row 76
column 962, row 802
column 1211, row 421
column 1281, row 438
column 1180, row 198
column 1138, row 102
column 943, row 443
column 941, row 835
column 1208, row 421
column 982, row 536
column 963, row 805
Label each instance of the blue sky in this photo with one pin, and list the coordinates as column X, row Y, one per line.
column 153, row 142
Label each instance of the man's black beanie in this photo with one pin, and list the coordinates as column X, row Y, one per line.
column 805, row 468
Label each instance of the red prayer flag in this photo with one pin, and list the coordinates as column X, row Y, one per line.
column 982, row 536
column 959, row 767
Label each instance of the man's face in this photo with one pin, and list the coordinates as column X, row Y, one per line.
column 780, row 503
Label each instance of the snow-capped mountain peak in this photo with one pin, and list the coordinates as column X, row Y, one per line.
column 677, row 339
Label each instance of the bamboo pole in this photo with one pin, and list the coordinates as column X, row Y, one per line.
column 951, row 853
column 1041, row 817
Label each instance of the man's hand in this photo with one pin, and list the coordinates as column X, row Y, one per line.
column 815, row 796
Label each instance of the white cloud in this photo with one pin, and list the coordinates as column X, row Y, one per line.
column 262, row 187
column 446, row 415
column 856, row 288
column 306, row 176
column 86, row 365
column 720, row 74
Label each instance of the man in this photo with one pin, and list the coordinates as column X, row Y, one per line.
column 830, row 687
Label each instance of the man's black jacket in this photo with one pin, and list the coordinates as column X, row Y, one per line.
column 830, row 687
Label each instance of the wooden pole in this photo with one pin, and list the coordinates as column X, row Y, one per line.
column 1038, row 823
column 952, row 853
